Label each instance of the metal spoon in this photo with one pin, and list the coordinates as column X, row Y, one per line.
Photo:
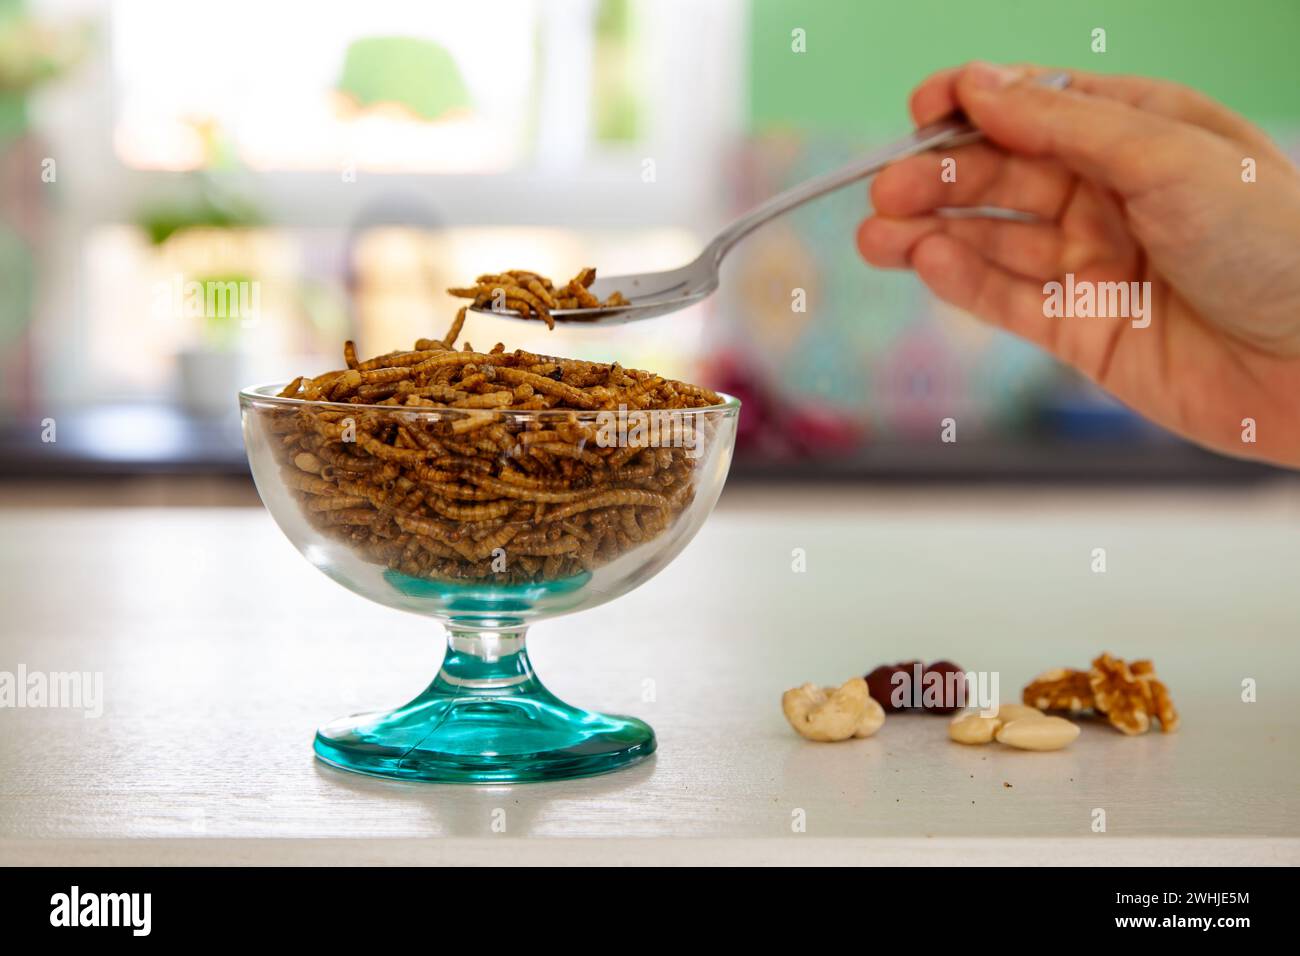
column 656, row 293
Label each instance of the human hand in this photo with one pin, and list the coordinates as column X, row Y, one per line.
column 1134, row 180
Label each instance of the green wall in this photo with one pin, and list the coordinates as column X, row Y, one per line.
column 863, row 56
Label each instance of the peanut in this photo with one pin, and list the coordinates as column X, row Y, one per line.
column 1038, row 733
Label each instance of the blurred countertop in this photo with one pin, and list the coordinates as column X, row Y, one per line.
column 222, row 649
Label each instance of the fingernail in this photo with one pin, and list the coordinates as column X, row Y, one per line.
column 990, row 76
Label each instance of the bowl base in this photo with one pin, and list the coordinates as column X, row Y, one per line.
column 484, row 738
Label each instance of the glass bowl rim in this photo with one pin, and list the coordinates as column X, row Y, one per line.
column 268, row 393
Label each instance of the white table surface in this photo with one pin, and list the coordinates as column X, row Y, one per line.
column 222, row 649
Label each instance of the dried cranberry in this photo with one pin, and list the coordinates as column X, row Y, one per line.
column 952, row 690
column 886, row 690
column 878, row 683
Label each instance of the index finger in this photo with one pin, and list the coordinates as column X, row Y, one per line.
column 936, row 97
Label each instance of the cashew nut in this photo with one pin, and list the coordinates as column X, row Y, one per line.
column 833, row 713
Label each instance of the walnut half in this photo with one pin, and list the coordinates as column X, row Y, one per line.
column 1130, row 695
column 1060, row 689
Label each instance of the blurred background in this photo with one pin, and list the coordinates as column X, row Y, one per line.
column 200, row 195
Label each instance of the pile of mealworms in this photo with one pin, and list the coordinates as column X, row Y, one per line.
column 477, row 492
column 533, row 295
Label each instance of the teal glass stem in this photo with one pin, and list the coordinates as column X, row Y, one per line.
column 486, row 718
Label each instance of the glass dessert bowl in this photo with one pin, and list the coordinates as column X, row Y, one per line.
column 487, row 521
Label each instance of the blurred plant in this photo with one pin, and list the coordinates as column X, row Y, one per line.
column 615, row 103
column 16, row 272
column 32, row 53
column 221, row 316
column 209, row 206
column 416, row 74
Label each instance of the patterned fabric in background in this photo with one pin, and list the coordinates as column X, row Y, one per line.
column 874, row 357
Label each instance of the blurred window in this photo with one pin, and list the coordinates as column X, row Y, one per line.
column 444, row 87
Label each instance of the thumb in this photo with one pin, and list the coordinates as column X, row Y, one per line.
column 1121, row 147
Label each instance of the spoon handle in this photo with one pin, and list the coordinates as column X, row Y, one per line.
column 954, row 131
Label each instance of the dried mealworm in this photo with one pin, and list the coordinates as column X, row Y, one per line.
column 453, row 333
column 541, row 383
column 485, row 400
column 478, row 512
column 336, row 504
column 434, row 495
column 291, row 389
column 306, row 461
column 618, row 497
